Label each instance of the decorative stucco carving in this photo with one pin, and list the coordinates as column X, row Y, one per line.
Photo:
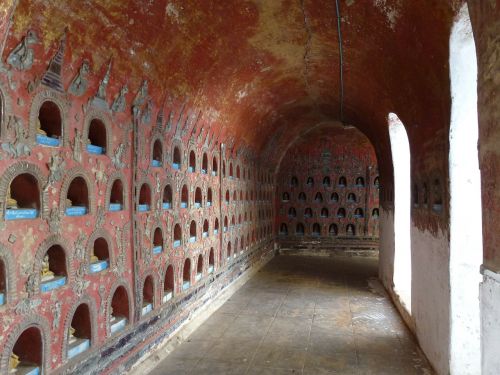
column 79, row 84
column 22, row 56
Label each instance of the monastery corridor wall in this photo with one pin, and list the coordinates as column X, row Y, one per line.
column 121, row 214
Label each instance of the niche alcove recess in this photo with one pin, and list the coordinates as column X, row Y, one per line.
column 343, row 160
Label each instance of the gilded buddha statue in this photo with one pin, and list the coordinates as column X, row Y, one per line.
column 46, row 273
column 71, row 335
column 11, row 202
column 39, row 129
column 93, row 258
column 13, row 361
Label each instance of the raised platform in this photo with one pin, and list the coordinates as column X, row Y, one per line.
column 328, row 246
column 47, row 141
column 146, row 308
column 177, row 243
column 119, row 324
column 156, row 163
column 186, row 285
column 76, row 211
column 20, row 213
column 99, row 266
column 167, row 296
column 166, row 205
column 78, row 347
column 97, row 150
column 2, row 298
column 143, row 207
column 198, row 276
column 176, row 166
column 115, row 207
column 157, row 249
column 26, row 369
column 56, row 282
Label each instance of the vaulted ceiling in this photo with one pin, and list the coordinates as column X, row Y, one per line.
column 264, row 70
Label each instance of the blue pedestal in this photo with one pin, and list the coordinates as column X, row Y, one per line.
column 192, row 239
column 156, row 163
column 166, row 205
column 167, row 296
column 204, row 171
column 143, row 207
column 437, row 207
column 119, row 324
column 209, row 204
column 186, row 285
column 2, row 298
column 78, row 347
column 21, row 213
column 216, row 231
column 191, row 169
column 176, row 166
column 224, row 229
column 27, row 369
column 210, row 269
column 47, row 141
column 157, row 249
column 97, row 150
column 146, row 308
column 115, row 207
column 76, row 211
column 99, row 266
column 204, row 234
column 184, row 204
column 177, row 243
column 198, row 277
column 56, row 282
column 358, row 216
column 197, row 205
column 214, row 173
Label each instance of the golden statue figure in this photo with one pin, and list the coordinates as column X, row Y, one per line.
column 39, row 129
column 47, row 274
column 71, row 335
column 112, row 318
column 13, row 361
column 11, row 202
column 93, row 258
column 69, row 203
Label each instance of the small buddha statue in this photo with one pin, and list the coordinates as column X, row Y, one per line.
column 112, row 318
column 11, row 202
column 47, row 274
column 71, row 335
column 69, row 203
column 93, row 258
column 14, row 361
column 39, row 129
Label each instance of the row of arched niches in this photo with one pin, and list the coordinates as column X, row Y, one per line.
column 69, row 204
column 344, row 204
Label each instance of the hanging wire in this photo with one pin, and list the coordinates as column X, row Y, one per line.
column 341, row 55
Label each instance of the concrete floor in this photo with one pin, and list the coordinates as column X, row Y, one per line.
column 303, row 315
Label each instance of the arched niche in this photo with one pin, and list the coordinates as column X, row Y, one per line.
column 216, row 226
column 27, row 346
column 327, row 182
column 167, row 197
column 119, row 308
column 148, row 294
column 48, row 119
column 285, row 197
column 231, row 170
column 198, row 198
column 292, row 212
column 99, row 251
column 310, row 182
column 204, row 164
column 186, row 274
column 97, row 133
column 350, row 230
column 192, row 162
column 227, row 197
column 316, row 230
column 192, row 231
column 176, row 158
column 237, row 171
column 80, row 328
column 199, row 268
column 341, row 213
column 351, row 198
column 294, row 181
column 209, row 197
column 228, row 250
column 23, row 182
column 324, row 212
column 206, row 229
column 318, row 197
column 360, row 182
column 157, row 240
column 211, row 260
column 157, row 153
column 299, row 229
column 117, row 192
column 333, row 230
column 302, row 197
column 52, row 255
column 8, row 277
column 145, row 201
column 359, row 213
column 177, row 235
column 168, row 284
column 308, row 212
column 283, row 229
column 215, row 166
column 78, row 188
column 184, row 202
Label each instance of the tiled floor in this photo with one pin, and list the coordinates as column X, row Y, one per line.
column 303, row 315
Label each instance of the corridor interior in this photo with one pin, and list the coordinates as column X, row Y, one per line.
column 330, row 166
column 300, row 315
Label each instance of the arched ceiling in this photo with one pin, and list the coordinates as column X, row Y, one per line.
column 265, row 70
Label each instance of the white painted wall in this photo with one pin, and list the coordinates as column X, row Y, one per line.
column 466, row 245
column 490, row 322
column 386, row 252
column 431, row 295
